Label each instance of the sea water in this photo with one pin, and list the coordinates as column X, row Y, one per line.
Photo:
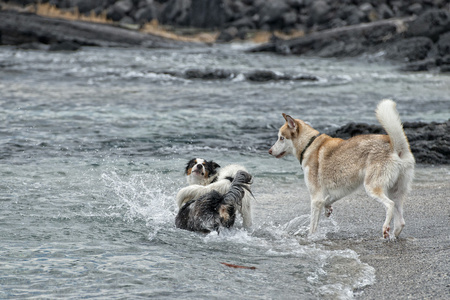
column 94, row 144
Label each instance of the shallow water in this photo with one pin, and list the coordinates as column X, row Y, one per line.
column 93, row 145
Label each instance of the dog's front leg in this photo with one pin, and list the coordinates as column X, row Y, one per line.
column 317, row 203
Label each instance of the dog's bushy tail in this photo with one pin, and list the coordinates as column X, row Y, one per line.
column 389, row 118
column 238, row 187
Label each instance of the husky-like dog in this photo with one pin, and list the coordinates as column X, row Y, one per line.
column 334, row 167
column 214, row 211
column 205, row 176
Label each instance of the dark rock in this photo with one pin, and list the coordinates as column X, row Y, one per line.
column 261, row 76
column 267, row 75
column 319, row 12
column 271, row 13
column 227, row 35
column 119, row 10
column 382, row 33
column 430, row 143
column 33, row 46
column 410, row 49
column 246, row 22
column 415, row 8
column 350, row 14
column 243, row 33
column 207, row 14
column 145, row 14
column 22, row 2
column 85, row 6
column 385, row 12
column 127, row 20
column 430, row 24
column 352, row 129
column 420, row 66
column 444, row 60
column 289, row 18
column 176, row 12
column 65, row 46
column 444, row 63
column 208, row 74
column 443, row 45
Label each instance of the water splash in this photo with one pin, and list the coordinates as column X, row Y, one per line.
column 147, row 197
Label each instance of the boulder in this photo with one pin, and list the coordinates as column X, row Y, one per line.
column 208, row 74
column 271, row 13
column 410, row 49
column 176, row 12
column 65, row 46
column 227, row 35
column 420, row 66
column 145, row 14
column 444, row 63
column 443, row 45
column 268, row 75
column 119, row 10
column 207, row 14
column 430, row 24
column 86, row 6
column 319, row 12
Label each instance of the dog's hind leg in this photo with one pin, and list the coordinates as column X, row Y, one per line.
column 398, row 194
column 399, row 222
column 378, row 193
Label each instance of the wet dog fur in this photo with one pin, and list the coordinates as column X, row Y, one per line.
column 214, row 211
column 334, row 168
column 217, row 179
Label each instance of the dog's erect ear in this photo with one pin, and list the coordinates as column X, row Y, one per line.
column 290, row 121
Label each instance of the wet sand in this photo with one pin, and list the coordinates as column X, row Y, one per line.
column 417, row 265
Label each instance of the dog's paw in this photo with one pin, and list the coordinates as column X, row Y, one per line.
column 386, row 232
column 328, row 211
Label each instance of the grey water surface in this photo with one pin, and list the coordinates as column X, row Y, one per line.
column 92, row 150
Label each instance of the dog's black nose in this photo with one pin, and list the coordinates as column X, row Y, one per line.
column 199, row 167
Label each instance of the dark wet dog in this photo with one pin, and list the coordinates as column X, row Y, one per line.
column 214, row 211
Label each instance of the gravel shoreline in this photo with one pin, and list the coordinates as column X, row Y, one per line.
column 417, row 265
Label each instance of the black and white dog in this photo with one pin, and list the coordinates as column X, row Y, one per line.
column 214, row 211
column 205, row 177
column 200, row 171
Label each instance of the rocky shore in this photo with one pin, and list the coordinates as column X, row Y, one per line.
column 416, row 33
column 31, row 31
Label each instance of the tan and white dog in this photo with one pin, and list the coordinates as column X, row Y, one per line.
column 333, row 167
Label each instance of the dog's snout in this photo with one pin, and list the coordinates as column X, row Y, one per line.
column 270, row 151
column 199, row 166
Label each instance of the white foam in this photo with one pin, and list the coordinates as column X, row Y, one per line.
column 144, row 197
